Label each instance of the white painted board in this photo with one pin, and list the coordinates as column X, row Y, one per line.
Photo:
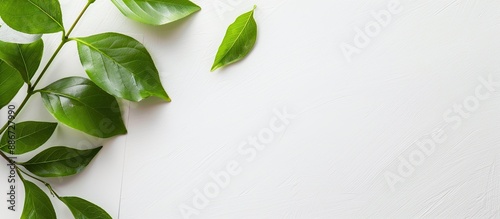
column 345, row 109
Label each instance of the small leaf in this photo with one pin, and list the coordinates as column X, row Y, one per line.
column 10, row 83
column 238, row 42
column 36, row 204
column 156, row 12
column 25, row 58
column 28, row 136
column 78, row 103
column 32, row 16
column 60, row 161
column 83, row 209
column 121, row 66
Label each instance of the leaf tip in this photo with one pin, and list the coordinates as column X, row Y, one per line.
column 215, row 67
column 198, row 8
column 165, row 97
column 122, row 130
column 97, row 150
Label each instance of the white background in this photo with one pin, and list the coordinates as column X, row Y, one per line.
column 353, row 122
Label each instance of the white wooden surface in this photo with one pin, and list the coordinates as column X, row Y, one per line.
column 351, row 149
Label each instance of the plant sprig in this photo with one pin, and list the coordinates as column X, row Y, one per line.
column 79, row 103
column 118, row 67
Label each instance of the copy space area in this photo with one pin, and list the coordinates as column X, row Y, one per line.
column 344, row 109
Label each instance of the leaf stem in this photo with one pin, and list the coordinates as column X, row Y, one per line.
column 4, row 127
column 64, row 40
column 8, row 158
column 28, row 96
column 37, row 179
column 30, row 93
column 49, row 63
column 31, row 89
column 78, row 18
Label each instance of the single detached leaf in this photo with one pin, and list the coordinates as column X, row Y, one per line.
column 238, row 42
column 156, row 12
column 78, row 103
column 28, row 136
column 121, row 66
column 10, row 83
column 60, row 161
column 25, row 58
column 36, row 203
column 83, row 209
column 32, row 16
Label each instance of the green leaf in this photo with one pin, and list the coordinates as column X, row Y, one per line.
column 60, row 161
column 36, row 204
column 156, row 12
column 28, row 136
column 83, row 209
column 238, row 42
column 78, row 103
column 32, row 16
column 25, row 58
column 10, row 83
column 121, row 66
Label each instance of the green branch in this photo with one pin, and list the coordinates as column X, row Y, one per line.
column 36, row 178
column 31, row 89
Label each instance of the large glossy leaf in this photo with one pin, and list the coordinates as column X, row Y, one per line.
column 32, row 16
column 78, row 103
column 156, row 12
column 60, row 161
column 28, row 136
column 83, row 209
column 36, row 203
column 10, row 83
column 25, row 58
column 238, row 42
column 121, row 66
